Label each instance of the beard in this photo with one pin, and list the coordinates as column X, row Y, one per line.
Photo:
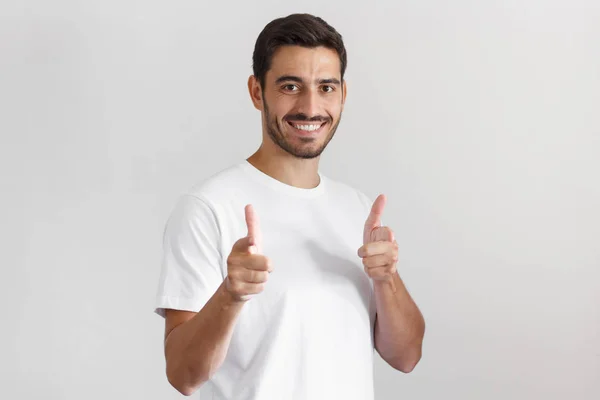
column 300, row 151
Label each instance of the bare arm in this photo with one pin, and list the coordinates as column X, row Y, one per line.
column 399, row 327
column 196, row 343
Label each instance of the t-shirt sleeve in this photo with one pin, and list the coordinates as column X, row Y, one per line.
column 191, row 263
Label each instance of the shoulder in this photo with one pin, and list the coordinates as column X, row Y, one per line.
column 221, row 184
column 201, row 201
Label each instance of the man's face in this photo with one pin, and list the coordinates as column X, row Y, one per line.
column 303, row 99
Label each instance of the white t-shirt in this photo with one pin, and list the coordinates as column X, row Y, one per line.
column 309, row 334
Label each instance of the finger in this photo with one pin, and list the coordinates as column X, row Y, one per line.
column 253, row 227
column 256, row 262
column 251, row 276
column 374, row 218
column 379, row 247
column 245, row 291
column 253, row 288
column 380, row 260
column 382, row 234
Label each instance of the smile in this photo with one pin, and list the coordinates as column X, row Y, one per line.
column 303, row 128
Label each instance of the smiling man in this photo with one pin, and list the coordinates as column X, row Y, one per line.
column 310, row 122
column 278, row 282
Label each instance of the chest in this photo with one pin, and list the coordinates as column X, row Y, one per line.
column 313, row 251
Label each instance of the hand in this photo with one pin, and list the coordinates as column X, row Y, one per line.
column 380, row 250
column 247, row 269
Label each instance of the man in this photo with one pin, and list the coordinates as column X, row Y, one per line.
column 278, row 282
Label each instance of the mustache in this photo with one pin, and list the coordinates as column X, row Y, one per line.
column 304, row 117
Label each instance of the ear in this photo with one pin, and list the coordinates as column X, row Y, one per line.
column 255, row 92
column 344, row 92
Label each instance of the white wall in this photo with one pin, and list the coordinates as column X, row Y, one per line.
column 479, row 120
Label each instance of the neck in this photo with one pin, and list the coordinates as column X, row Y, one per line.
column 293, row 171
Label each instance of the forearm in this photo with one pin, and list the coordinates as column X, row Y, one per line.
column 399, row 327
column 196, row 349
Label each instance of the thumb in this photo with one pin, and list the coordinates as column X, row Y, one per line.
column 254, row 234
column 244, row 245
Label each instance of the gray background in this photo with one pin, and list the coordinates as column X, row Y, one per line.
column 479, row 120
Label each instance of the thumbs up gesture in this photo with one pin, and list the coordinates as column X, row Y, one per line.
column 379, row 251
column 247, row 268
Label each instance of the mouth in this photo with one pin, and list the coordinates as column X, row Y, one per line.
column 304, row 128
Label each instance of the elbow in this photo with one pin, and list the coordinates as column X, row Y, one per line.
column 180, row 386
column 408, row 366
column 186, row 391
column 408, row 362
column 411, row 358
column 180, row 382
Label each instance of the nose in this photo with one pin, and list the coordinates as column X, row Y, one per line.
column 308, row 103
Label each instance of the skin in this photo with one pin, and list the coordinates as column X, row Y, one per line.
column 284, row 155
column 303, row 86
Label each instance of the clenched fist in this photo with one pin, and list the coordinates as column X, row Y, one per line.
column 247, row 268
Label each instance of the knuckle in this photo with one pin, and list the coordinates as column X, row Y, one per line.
column 233, row 260
column 255, row 288
column 258, row 263
column 264, row 262
column 232, row 275
column 251, row 261
column 259, row 277
column 258, row 260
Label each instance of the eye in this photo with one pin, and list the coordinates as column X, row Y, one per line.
column 328, row 89
column 289, row 87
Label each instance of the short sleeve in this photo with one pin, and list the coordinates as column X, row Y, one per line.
column 191, row 262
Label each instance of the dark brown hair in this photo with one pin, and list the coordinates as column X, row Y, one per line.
column 296, row 29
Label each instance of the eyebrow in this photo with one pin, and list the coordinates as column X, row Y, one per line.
column 288, row 78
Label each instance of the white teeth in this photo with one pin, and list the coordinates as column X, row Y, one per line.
column 307, row 127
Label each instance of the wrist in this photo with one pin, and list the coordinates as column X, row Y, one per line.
column 385, row 283
column 228, row 299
